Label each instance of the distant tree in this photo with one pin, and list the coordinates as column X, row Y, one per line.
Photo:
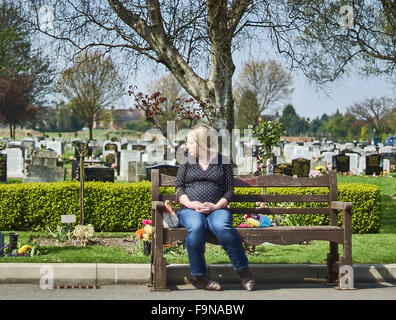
column 391, row 121
column 15, row 100
column 373, row 111
column 248, row 110
column 17, row 54
column 90, row 85
column 268, row 80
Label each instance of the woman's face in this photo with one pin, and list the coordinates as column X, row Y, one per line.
column 192, row 146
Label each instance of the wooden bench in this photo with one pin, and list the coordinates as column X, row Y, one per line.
column 255, row 236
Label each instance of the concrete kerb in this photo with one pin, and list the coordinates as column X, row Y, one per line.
column 91, row 274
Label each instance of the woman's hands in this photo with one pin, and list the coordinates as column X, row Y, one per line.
column 206, row 207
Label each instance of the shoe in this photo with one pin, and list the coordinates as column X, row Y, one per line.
column 208, row 283
column 247, row 279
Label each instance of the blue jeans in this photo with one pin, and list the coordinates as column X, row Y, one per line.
column 219, row 222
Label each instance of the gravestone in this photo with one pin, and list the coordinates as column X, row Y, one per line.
column 167, row 169
column 288, row 151
column 15, row 162
column 98, row 173
column 386, row 168
column 44, row 167
column 353, row 162
column 125, row 158
column 374, row 164
column 341, row 163
column 57, row 146
column 87, row 163
column 139, row 147
column 111, row 158
column 30, row 145
column 284, row 168
column 136, row 171
column 110, row 147
column 3, row 167
column 301, row 167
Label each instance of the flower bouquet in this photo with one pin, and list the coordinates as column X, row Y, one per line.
column 256, row 221
column 145, row 234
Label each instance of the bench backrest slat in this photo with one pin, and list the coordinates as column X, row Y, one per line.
column 275, row 180
column 266, row 197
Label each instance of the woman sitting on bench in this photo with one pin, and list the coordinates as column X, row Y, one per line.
column 204, row 187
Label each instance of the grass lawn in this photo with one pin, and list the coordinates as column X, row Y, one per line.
column 366, row 248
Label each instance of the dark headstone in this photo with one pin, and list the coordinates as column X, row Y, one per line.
column 99, row 173
column 373, row 164
column 139, row 147
column 87, row 164
column 341, row 163
column 111, row 158
column 111, row 146
column 301, row 167
column 284, row 168
column 3, row 168
column 167, row 169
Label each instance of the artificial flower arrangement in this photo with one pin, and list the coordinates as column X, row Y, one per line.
column 257, row 220
column 319, row 170
column 145, row 232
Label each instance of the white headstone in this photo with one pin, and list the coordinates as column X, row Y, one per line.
column 386, row 166
column 125, row 157
column 15, row 162
column 56, row 146
column 353, row 162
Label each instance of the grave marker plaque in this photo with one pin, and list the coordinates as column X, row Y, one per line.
column 99, row 173
column 341, row 163
column 301, row 167
column 284, row 168
column 373, row 164
column 111, row 158
column 111, row 146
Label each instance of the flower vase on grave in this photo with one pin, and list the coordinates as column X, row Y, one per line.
column 146, row 248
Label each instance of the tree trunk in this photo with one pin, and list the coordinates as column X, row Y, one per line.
column 11, row 130
column 90, row 127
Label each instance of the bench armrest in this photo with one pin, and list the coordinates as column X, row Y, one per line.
column 158, row 206
column 338, row 205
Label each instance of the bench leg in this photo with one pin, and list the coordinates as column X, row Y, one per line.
column 160, row 275
column 332, row 263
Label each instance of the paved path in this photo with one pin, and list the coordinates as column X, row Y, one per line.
column 309, row 291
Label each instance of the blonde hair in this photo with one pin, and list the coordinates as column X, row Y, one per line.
column 205, row 137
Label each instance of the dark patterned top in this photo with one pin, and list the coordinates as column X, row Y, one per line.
column 209, row 185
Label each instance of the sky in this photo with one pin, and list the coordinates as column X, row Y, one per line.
column 307, row 100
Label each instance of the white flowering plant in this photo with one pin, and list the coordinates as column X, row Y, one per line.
column 83, row 233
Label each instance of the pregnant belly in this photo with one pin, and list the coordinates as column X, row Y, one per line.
column 208, row 192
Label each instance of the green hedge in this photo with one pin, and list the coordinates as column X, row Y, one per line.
column 107, row 206
column 122, row 207
column 366, row 212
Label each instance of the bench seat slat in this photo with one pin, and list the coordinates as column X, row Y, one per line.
column 276, row 235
